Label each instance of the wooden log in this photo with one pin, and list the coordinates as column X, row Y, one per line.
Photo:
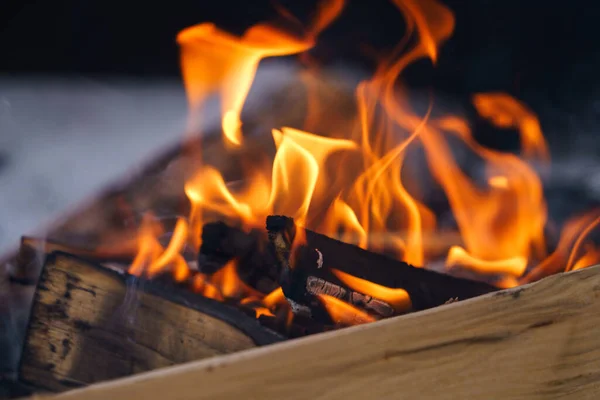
column 538, row 341
column 89, row 324
column 310, row 269
column 257, row 264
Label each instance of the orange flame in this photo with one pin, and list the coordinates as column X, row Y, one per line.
column 513, row 266
column 274, row 298
column 506, row 112
column 575, row 228
column 355, row 184
column 229, row 283
column 263, row 311
column 591, row 254
column 397, row 298
column 148, row 247
column 504, row 222
column 214, row 61
column 328, row 11
column 343, row 313
column 589, row 258
column 152, row 259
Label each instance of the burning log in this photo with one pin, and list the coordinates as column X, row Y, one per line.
column 257, row 264
column 320, row 265
column 89, row 324
column 546, row 331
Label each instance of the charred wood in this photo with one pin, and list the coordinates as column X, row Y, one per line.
column 256, row 261
column 308, row 270
column 89, row 324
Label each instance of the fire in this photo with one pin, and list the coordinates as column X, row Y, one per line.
column 502, row 223
column 397, row 298
column 590, row 257
column 356, row 185
column 512, row 266
column 214, row 61
column 574, row 231
column 229, row 283
column 274, row 298
column 152, row 258
column 591, row 252
column 507, row 112
column 343, row 313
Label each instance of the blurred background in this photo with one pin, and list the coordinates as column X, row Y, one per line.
column 89, row 89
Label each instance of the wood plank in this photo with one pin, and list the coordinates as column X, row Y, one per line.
column 539, row 341
column 89, row 324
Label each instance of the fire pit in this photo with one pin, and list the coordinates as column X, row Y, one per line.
column 374, row 208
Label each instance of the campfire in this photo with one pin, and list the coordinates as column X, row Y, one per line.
column 260, row 234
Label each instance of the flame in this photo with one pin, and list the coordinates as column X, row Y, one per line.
column 505, row 111
column 271, row 302
column 274, row 298
column 152, row 259
column 575, row 228
column 343, row 218
column 499, row 182
column 229, row 283
column 263, row 311
column 212, row 292
column 328, row 11
column 171, row 254
column 589, row 258
column 434, row 23
column 503, row 223
column 148, row 247
column 214, row 61
column 295, row 174
column 513, row 266
column 356, row 183
column 343, row 313
column 397, row 298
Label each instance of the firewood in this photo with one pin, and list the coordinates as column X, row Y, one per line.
column 257, row 264
column 315, row 260
column 89, row 324
column 538, row 341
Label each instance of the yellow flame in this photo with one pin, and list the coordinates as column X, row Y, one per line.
column 355, row 183
column 513, row 266
column 344, row 313
column 397, row 298
column 214, row 61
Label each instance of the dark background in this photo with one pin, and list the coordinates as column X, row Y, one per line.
column 545, row 53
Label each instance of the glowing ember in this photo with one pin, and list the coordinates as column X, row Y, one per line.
column 363, row 197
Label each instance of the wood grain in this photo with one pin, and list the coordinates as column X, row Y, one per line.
column 89, row 325
column 540, row 341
